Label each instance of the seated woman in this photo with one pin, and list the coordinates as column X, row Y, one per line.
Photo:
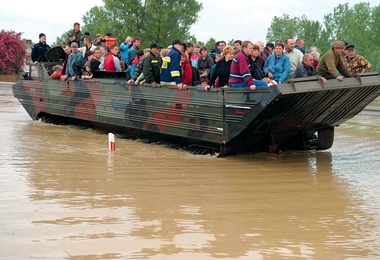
column 205, row 62
column 256, row 63
column 277, row 65
column 222, row 69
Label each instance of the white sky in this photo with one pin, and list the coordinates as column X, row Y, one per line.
column 220, row 19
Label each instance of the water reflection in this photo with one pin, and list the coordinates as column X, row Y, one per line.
column 73, row 199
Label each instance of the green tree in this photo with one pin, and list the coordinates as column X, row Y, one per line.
column 283, row 27
column 210, row 44
column 160, row 21
column 358, row 25
column 61, row 40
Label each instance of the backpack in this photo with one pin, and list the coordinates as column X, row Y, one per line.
column 195, row 78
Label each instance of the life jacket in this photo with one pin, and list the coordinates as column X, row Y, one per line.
column 110, row 41
column 109, row 64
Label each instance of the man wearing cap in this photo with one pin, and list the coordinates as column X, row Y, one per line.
column 40, row 49
column 268, row 50
column 74, row 58
column 72, row 39
column 355, row 63
column 171, row 67
column 152, row 65
column 331, row 63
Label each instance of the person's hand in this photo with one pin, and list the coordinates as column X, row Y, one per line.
column 73, row 77
column 207, row 87
column 324, row 80
column 142, row 82
column 82, row 76
column 35, row 62
column 130, row 81
column 154, row 84
column 340, row 78
column 180, row 86
column 63, row 77
column 252, row 87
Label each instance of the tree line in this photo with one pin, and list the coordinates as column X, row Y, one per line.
column 164, row 20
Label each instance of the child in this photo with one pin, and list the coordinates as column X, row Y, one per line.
column 87, row 73
column 57, row 72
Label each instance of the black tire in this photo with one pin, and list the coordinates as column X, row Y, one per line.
column 325, row 138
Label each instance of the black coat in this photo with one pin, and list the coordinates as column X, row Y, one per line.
column 39, row 52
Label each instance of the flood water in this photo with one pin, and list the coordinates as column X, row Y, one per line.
column 63, row 195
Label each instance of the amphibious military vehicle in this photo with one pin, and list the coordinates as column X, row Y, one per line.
column 301, row 113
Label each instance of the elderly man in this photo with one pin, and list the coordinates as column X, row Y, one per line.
column 354, row 62
column 294, row 55
column 331, row 63
column 306, row 68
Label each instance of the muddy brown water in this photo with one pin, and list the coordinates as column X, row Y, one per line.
column 65, row 196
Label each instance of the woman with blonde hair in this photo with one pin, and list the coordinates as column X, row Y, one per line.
column 222, row 70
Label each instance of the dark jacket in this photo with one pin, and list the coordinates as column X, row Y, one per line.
column 152, row 67
column 222, row 70
column 39, row 52
column 204, row 65
column 256, row 67
column 94, row 64
column 304, row 71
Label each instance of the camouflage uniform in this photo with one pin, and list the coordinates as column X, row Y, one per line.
column 357, row 64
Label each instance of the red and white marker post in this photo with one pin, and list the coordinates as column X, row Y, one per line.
column 111, row 142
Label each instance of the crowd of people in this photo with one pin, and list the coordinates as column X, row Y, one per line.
column 245, row 64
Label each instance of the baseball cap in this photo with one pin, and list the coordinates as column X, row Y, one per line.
column 177, row 42
column 155, row 45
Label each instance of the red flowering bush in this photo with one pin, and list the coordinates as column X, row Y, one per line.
column 12, row 52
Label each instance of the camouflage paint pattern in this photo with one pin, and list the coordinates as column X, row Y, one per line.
column 228, row 120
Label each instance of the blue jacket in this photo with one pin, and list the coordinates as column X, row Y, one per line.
column 281, row 70
column 74, row 59
column 124, row 52
column 171, row 68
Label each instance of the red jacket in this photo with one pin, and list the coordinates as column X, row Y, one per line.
column 56, row 75
column 109, row 64
column 187, row 72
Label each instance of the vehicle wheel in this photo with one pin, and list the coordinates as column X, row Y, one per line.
column 325, row 138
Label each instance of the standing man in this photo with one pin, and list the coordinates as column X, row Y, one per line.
column 294, row 55
column 95, row 62
column 300, row 45
column 354, row 62
column 171, row 67
column 67, row 50
column 77, row 32
column 132, row 52
column 40, row 49
column 88, row 46
column 240, row 75
column 332, row 63
column 152, row 65
column 74, row 57
column 111, row 62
